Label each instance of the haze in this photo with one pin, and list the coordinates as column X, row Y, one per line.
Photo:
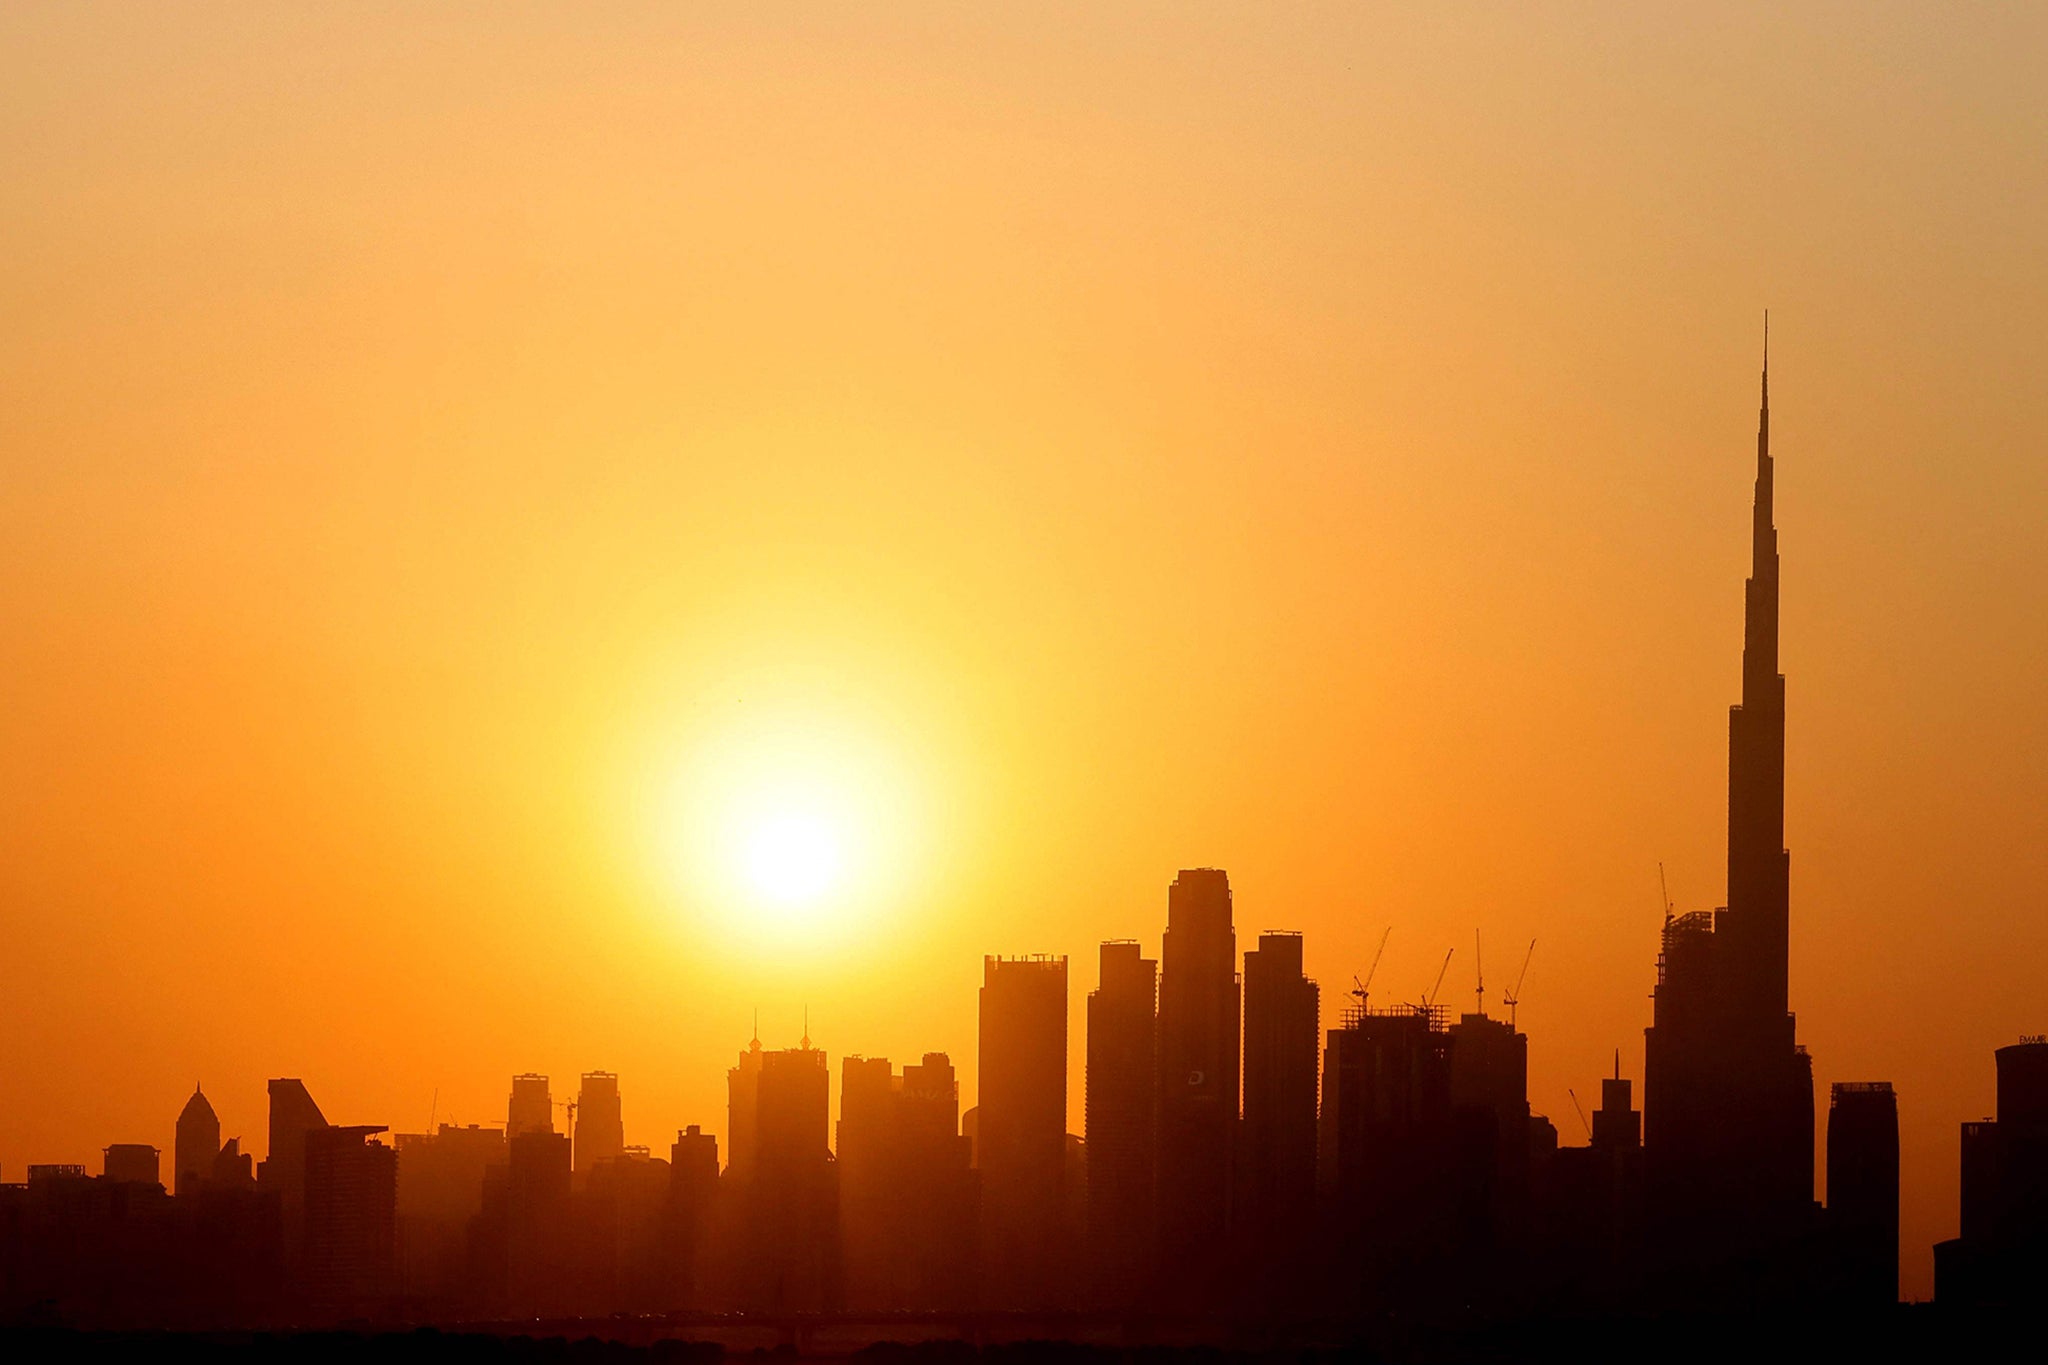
column 448, row 450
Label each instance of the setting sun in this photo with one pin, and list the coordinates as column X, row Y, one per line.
column 793, row 859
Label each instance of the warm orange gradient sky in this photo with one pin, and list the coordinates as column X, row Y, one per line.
column 450, row 454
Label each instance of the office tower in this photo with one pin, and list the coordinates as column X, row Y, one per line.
column 351, row 1216
column 1393, row 1161
column 1021, row 1142
column 693, row 1193
column 1727, row 1091
column 624, row 1232
column 532, row 1106
column 196, row 1145
column 600, row 1132
column 293, row 1116
column 441, row 1178
column 1198, row 1092
column 905, row 1186
column 1617, row 1123
column 233, row 1168
column 2001, row 1256
column 539, row 1261
column 1281, row 1025
column 1863, row 1189
column 1490, row 1085
column 788, row 1259
column 1122, row 1118
column 742, row 1088
column 130, row 1163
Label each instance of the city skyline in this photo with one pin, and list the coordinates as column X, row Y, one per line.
column 525, row 540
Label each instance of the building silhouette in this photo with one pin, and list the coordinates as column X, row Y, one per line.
column 130, row 1163
column 600, row 1131
column 1490, row 1089
column 1282, row 1022
column 693, row 1175
column 906, row 1187
column 1198, row 1079
column 282, row 1172
column 351, row 1217
column 196, row 1145
column 1020, row 1142
column 1728, row 1092
column 531, row 1108
column 1863, row 1190
column 787, row 1258
column 2001, row 1255
column 441, row 1180
column 1122, row 1119
column 534, row 1221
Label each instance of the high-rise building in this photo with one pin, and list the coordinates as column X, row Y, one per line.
column 1282, row 1018
column 196, row 1145
column 2001, row 1254
column 531, row 1108
column 1863, row 1189
column 441, row 1178
column 1122, row 1118
column 600, row 1131
column 130, row 1163
column 351, row 1215
column 293, row 1116
column 693, row 1194
column 1490, row 1084
column 742, row 1087
column 1022, row 1129
column 905, row 1187
column 540, row 1267
column 1198, row 1074
column 1386, row 1139
column 788, row 1258
column 1727, row 1090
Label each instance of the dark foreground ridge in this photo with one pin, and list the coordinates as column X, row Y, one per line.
column 1904, row 1333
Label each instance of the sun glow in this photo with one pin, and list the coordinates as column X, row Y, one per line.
column 789, row 832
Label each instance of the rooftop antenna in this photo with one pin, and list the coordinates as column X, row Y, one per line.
column 757, row 1027
column 1617, row 1064
column 1514, row 997
column 1479, row 971
column 806, row 1043
column 1361, row 988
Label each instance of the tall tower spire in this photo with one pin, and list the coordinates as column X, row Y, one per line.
column 1757, row 862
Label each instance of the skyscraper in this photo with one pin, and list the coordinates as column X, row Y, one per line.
column 1727, row 1091
column 1122, row 1117
column 1198, row 1093
column 1863, row 1189
column 351, row 1216
column 531, row 1108
column 1021, row 1142
column 600, row 1132
column 1281, row 1021
column 780, row 1106
column 2001, row 1253
column 196, row 1146
column 293, row 1115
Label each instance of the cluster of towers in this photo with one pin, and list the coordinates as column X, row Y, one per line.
column 1242, row 1154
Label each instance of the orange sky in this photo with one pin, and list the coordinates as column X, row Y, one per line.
column 447, row 451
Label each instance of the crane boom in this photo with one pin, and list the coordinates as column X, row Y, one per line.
column 1582, row 1112
column 1430, row 999
column 1514, row 997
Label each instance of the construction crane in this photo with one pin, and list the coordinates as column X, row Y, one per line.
column 1582, row 1112
column 1514, row 997
column 1429, row 1001
column 1479, row 972
column 1664, row 893
column 1361, row 988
